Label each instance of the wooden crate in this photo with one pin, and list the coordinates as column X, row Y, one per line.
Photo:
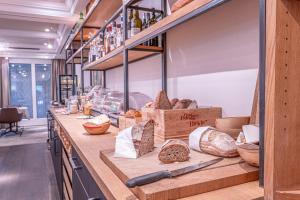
column 125, row 122
column 170, row 124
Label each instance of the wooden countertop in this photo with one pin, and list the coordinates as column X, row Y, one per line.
column 89, row 146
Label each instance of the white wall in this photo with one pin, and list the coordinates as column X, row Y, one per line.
column 213, row 59
column 86, row 76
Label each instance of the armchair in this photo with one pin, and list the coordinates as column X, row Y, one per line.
column 10, row 116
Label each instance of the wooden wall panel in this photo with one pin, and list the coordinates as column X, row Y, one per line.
column 282, row 132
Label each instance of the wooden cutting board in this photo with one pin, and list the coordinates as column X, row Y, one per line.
column 226, row 173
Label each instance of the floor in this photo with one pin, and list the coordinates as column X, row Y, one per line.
column 31, row 135
column 26, row 170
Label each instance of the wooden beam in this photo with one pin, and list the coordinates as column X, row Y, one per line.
column 282, row 174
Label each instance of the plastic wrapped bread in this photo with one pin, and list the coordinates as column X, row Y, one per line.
column 174, row 151
column 135, row 141
column 208, row 140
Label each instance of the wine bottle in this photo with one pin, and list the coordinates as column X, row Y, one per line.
column 129, row 23
column 154, row 41
column 145, row 26
column 136, row 24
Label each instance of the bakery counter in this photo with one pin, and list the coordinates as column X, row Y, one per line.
column 88, row 147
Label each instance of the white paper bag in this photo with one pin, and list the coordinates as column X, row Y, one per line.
column 195, row 136
column 124, row 145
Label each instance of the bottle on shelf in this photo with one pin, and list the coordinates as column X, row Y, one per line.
column 119, row 36
column 113, row 36
column 130, row 18
column 153, row 20
column 136, row 24
column 145, row 26
column 107, row 40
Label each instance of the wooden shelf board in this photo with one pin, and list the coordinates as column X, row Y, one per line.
column 167, row 22
column 86, row 32
column 115, row 58
column 101, row 11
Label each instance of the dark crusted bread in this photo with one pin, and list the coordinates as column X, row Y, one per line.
column 174, row 101
column 174, row 151
column 182, row 104
column 143, row 137
column 162, row 101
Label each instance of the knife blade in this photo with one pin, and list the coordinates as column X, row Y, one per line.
column 156, row 176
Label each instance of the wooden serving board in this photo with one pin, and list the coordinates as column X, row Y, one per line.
column 226, row 173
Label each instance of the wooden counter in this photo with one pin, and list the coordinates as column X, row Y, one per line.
column 88, row 148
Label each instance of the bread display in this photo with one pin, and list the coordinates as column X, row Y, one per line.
column 212, row 141
column 179, row 4
column 133, row 114
column 174, row 151
column 162, row 101
column 135, row 141
column 182, row 104
column 174, row 101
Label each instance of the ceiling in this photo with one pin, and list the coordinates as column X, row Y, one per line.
column 36, row 28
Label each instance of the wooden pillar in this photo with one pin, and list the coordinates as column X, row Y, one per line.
column 282, row 128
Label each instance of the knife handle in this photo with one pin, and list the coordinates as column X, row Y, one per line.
column 148, row 178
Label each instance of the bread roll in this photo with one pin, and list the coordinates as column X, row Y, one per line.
column 174, row 101
column 182, row 104
column 193, row 105
column 133, row 114
column 179, row 4
column 143, row 137
column 162, row 101
column 174, row 151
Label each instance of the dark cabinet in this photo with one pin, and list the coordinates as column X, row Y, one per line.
column 84, row 186
column 56, row 154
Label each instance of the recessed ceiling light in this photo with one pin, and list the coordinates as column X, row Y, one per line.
column 6, row 58
column 47, row 30
column 50, row 46
column 46, row 44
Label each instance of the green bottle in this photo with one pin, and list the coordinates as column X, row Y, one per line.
column 154, row 41
column 136, row 24
column 129, row 23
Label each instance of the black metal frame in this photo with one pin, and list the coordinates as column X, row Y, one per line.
column 262, row 74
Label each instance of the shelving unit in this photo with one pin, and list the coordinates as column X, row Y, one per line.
column 115, row 58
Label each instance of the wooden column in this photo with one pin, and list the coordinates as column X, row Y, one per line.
column 282, row 128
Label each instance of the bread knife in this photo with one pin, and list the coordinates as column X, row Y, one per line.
column 156, row 176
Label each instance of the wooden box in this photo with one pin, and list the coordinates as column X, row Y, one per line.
column 171, row 124
column 125, row 122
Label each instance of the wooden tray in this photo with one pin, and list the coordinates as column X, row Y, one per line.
column 227, row 173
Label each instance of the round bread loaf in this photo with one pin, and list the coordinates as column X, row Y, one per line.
column 183, row 104
column 133, row 114
column 174, row 151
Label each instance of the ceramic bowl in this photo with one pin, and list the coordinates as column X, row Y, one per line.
column 249, row 153
column 94, row 129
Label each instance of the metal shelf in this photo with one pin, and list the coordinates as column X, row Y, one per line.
column 184, row 14
column 115, row 58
